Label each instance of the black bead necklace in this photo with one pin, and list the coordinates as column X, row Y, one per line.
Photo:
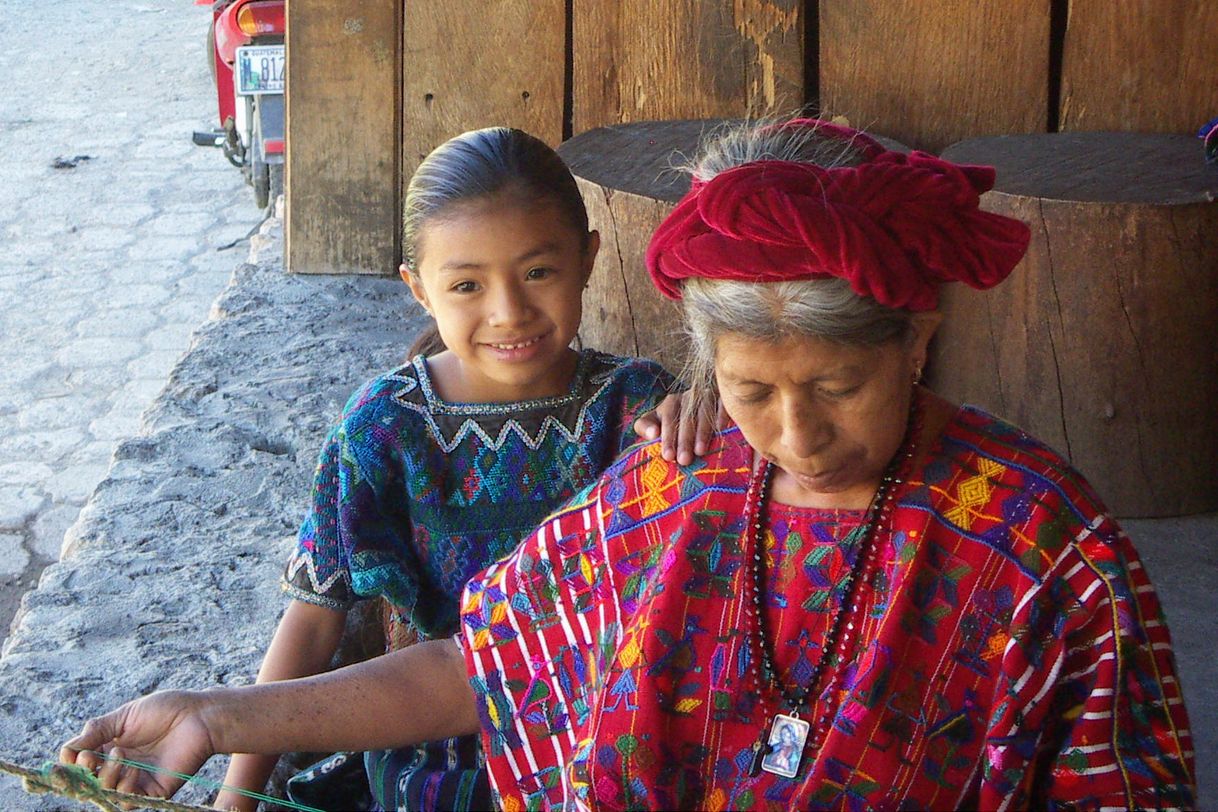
column 780, row 745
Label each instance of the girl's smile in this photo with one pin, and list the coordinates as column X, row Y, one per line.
column 504, row 280
column 518, row 350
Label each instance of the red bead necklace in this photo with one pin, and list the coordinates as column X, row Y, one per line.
column 781, row 743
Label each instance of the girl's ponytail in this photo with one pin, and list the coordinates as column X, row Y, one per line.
column 427, row 343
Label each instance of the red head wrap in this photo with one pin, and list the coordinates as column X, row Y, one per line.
column 895, row 226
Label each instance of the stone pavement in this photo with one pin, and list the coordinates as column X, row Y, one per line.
column 111, row 231
column 170, row 578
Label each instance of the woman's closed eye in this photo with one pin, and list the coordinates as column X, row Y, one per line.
column 840, row 392
column 751, row 397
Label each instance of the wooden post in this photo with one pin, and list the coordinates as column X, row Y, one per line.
column 1140, row 65
column 930, row 72
column 469, row 64
column 636, row 60
column 1101, row 341
column 343, row 213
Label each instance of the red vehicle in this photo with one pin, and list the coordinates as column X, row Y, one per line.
column 246, row 51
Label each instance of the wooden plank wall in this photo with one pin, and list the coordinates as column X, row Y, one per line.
column 472, row 63
column 344, row 136
column 639, row 60
column 1140, row 65
column 375, row 84
column 931, row 72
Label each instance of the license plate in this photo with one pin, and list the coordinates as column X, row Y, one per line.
column 260, row 69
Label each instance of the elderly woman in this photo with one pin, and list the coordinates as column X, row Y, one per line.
column 862, row 596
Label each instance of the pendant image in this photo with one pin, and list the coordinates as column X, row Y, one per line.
column 785, row 745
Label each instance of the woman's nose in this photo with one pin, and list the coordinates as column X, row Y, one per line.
column 805, row 431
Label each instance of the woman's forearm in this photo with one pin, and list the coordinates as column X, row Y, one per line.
column 410, row 696
column 417, row 694
column 304, row 644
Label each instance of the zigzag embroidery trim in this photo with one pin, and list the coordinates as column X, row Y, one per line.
column 302, row 560
column 511, row 426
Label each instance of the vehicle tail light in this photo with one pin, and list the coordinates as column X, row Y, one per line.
column 260, row 18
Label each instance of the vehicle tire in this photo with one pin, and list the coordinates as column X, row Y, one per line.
column 275, row 185
column 260, row 179
column 211, row 49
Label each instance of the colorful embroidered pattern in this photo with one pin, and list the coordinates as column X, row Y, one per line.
column 413, row 495
column 1013, row 653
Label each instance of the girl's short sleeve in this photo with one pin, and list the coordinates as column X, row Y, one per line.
column 354, row 540
column 318, row 571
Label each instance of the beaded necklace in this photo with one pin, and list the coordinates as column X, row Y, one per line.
column 781, row 744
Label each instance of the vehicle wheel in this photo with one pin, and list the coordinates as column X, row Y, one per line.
column 275, row 185
column 211, row 50
column 260, row 178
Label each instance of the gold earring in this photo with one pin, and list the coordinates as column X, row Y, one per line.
column 917, row 375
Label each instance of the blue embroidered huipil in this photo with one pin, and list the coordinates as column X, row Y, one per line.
column 413, row 495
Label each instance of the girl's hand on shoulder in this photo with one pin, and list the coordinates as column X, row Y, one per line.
column 681, row 438
column 166, row 730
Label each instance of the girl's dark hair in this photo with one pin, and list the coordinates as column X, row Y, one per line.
column 479, row 164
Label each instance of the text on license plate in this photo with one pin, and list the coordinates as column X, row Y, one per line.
column 260, row 69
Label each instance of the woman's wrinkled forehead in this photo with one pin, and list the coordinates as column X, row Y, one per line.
column 793, row 359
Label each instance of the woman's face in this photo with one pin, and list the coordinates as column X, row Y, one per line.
column 829, row 416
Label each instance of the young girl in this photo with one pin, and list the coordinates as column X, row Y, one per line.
column 442, row 467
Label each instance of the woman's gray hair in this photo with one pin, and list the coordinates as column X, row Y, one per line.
column 773, row 311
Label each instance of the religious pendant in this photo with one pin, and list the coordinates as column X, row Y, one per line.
column 783, row 749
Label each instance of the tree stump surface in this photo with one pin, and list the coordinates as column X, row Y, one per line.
column 1100, row 343
column 630, row 180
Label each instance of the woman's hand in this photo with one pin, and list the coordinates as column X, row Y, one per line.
column 359, row 707
column 681, row 438
column 167, row 730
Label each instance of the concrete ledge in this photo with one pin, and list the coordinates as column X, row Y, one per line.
column 170, row 575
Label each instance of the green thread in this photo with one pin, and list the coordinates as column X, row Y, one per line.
column 73, row 781
column 77, row 783
column 209, row 783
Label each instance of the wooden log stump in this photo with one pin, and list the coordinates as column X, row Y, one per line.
column 1101, row 341
column 630, row 182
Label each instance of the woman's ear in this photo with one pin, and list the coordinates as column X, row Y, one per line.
column 923, row 327
column 593, row 246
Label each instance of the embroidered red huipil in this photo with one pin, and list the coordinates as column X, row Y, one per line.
column 1012, row 653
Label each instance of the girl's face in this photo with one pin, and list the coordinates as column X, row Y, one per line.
column 504, row 281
